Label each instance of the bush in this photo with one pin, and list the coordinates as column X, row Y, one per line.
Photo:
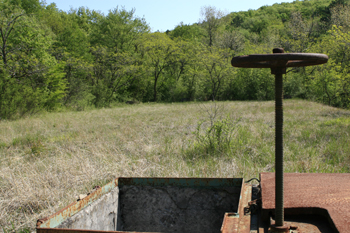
column 217, row 138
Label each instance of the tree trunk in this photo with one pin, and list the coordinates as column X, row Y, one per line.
column 155, row 88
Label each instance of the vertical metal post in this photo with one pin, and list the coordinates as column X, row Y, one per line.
column 279, row 149
column 279, row 209
column 278, row 64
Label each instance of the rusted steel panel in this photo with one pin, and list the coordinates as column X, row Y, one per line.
column 244, row 209
column 307, row 224
column 182, row 182
column 239, row 222
column 52, row 223
column 311, row 193
column 57, row 218
column 230, row 223
column 57, row 230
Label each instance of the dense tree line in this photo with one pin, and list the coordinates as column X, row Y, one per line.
column 51, row 58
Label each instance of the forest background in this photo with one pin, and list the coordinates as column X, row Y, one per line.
column 53, row 60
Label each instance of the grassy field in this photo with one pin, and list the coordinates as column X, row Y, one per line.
column 46, row 161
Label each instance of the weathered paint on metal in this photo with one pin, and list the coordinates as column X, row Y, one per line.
column 47, row 225
column 245, row 218
column 239, row 222
column 58, row 230
column 302, row 226
column 183, row 182
column 325, row 194
column 57, row 218
column 230, row 223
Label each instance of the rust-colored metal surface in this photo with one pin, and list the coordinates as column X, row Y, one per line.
column 230, row 223
column 239, row 222
column 58, row 230
column 312, row 194
column 307, row 223
column 233, row 222
column 55, row 219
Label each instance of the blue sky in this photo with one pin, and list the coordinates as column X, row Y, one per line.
column 165, row 14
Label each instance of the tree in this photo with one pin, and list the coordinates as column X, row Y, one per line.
column 210, row 21
column 217, row 68
column 158, row 50
column 233, row 40
column 330, row 83
column 112, row 74
column 189, row 33
column 299, row 31
column 71, row 48
column 10, row 15
column 30, row 78
column 29, row 6
column 77, row 73
column 119, row 30
column 183, row 71
column 340, row 16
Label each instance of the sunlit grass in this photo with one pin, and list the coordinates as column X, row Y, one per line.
column 47, row 161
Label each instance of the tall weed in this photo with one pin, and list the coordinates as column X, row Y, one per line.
column 214, row 135
column 217, row 138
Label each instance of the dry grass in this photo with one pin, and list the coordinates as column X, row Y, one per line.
column 47, row 161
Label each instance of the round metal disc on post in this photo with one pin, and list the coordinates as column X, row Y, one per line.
column 278, row 62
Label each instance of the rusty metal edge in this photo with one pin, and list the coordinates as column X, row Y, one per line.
column 230, row 223
column 239, row 222
column 59, row 230
column 181, row 182
column 58, row 217
column 305, row 210
column 245, row 219
column 231, row 220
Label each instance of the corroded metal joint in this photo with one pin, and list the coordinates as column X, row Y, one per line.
column 278, row 229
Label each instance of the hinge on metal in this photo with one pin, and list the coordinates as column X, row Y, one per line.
column 252, row 207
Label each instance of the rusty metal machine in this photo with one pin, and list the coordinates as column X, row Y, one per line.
column 291, row 202
column 156, row 205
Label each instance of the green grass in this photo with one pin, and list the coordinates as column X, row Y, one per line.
column 46, row 161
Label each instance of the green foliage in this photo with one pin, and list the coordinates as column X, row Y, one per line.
column 341, row 122
column 251, row 84
column 217, row 138
column 158, row 51
column 77, row 71
column 187, row 32
column 31, row 79
column 83, row 58
column 118, row 30
column 112, row 74
column 12, row 229
column 211, row 22
column 29, row 6
column 330, row 83
column 216, row 71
